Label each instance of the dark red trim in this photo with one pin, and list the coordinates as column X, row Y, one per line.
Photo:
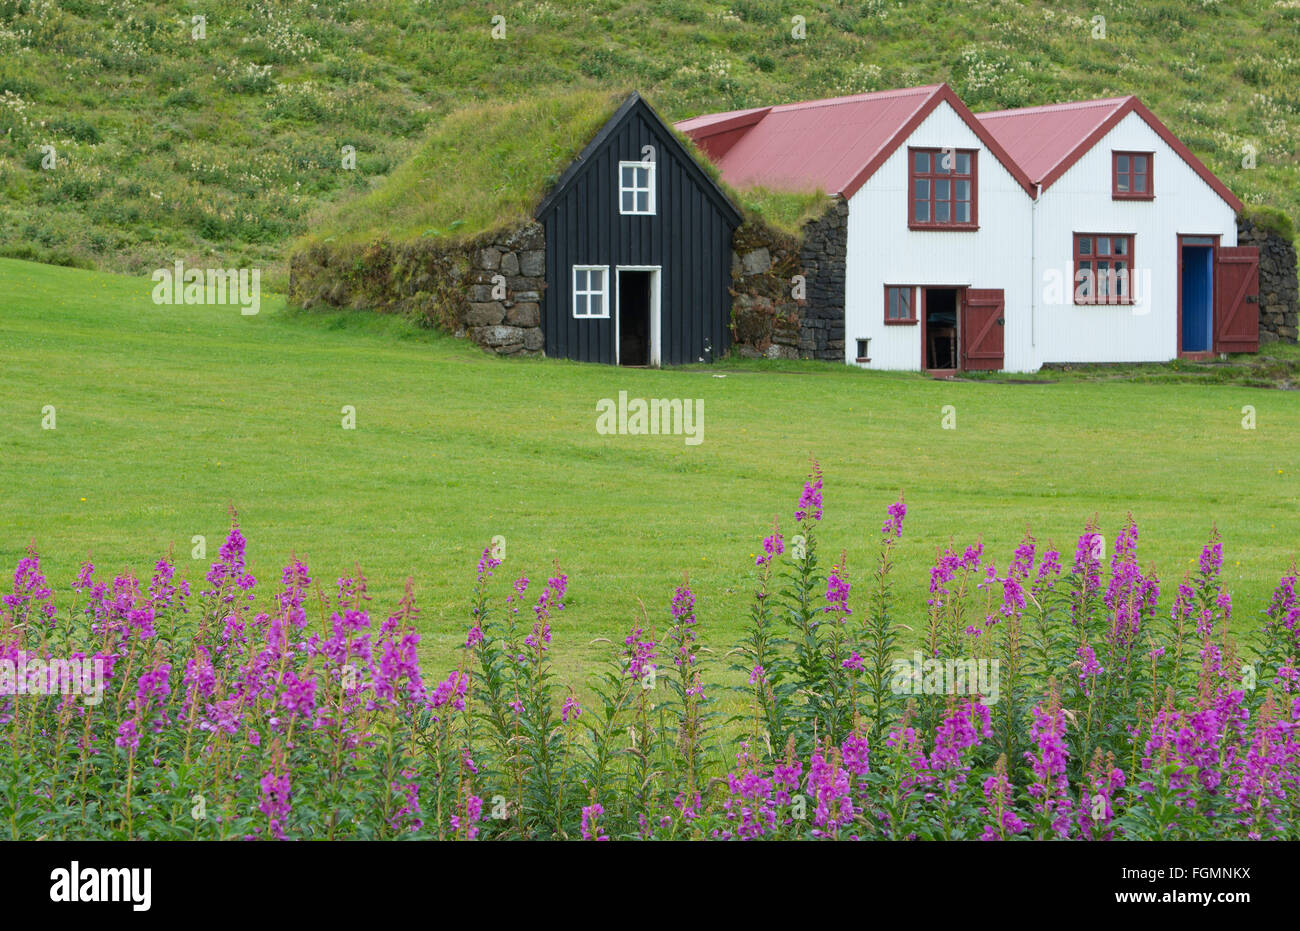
column 911, row 306
column 1094, row 257
column 952, row 178
column 1148, row 191
column 1133, row 105
column 942, row 94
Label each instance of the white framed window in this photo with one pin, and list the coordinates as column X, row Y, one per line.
column 590, row 291
column 636, row 187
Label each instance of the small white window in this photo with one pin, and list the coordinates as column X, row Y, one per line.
column 636, row 187
column 591, row 290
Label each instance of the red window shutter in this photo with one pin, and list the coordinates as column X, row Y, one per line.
column 982, row 327
column 1236, row 300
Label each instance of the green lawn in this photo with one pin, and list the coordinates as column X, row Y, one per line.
column 167, row 415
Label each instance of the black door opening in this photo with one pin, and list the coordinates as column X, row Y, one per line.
column 940, row 330
column 634, row 317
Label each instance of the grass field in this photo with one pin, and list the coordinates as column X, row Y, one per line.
column 168, row 415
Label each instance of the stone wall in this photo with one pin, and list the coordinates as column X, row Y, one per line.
column 488, row 289
column 771, row 316
column 825, row 245
column 1278, row 290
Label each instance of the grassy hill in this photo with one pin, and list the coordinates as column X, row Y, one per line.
column 222, row 149
column 166, row 416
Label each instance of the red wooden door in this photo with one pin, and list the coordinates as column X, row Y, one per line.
column 1236, row 300
column 982, row 328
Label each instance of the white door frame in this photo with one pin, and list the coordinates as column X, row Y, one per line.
column 657, row 271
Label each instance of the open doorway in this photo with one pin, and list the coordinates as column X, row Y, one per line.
column 637, row 316
column 939, row 308
column 1196, row 293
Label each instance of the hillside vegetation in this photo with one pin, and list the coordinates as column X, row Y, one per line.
column 226, row 147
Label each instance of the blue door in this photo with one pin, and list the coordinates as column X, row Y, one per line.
column 1198, row 297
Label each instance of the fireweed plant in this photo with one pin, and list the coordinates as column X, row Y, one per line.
column 246, row 710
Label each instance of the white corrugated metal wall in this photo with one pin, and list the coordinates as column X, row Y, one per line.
column 1080, row 201
column 882, row 250
column 1041, row 325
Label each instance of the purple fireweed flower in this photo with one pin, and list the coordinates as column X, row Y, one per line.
column 1022, row 560
column 681, row 634
column 689, row 807
column 591, row 830
column 749, row 806
column 128, row 735
column 164, row 591
column 451, row 691
column 997, row 795
column 570, row 710
column 1087, row 559
column 1089, row 668
column 1050, row 788
column 854, row 662
column 1212, row 556
column 473, row 813
column 407, row 816
column 226, row 576
column 475, row 636
column 757, row 675
column 31, row 597
column 487, row 562
column 855, row 754
column 960, row 731
column 275, row 803
column 1013, row 596
column 640, row 652
column 399, row 673
column 893, row 526
column 200, row 680
column 295, row 582
column 1048, row 571
column 298, row 696
column 837, row 591
column 810, row 502
column 773, row 546
column 832, row 793
column 1103, row 782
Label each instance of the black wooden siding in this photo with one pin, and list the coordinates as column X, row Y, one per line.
column 689, row 237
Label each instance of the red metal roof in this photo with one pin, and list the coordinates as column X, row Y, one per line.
column 838, row 143
column 834, row 144
column 1046, row 141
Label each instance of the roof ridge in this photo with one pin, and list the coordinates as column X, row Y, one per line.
column 1067, row 105
column 856, row 98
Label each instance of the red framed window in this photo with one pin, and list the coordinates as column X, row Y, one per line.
column 1103, row 268
column 1131, row 175
column 943, row 192
column 900, row 305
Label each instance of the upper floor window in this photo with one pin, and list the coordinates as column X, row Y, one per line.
column 636, row 187
column 942, row 189
column 1103, row 268
column 1131, row 175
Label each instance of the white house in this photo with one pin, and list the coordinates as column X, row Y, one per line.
column 1075, row 233
column 1142, row 234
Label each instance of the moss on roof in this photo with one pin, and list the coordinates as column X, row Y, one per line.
column 1272, row 219
column 486, row 167
column 481, row 168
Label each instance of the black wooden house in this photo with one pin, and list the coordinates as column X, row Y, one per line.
column 638, row 250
